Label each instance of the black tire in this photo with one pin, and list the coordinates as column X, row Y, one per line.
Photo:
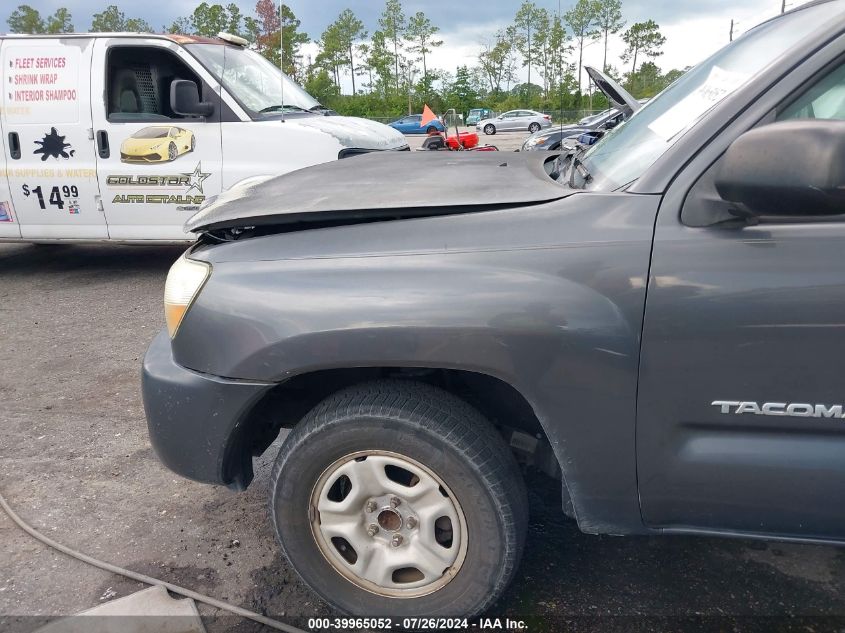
column 440, row 432
column 534, row 127
column 172, row 152
column 430, row 129
column 489, row 129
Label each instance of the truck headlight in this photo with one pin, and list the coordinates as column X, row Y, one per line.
column 184, row 282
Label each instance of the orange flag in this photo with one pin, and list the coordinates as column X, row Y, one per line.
column 427, row 116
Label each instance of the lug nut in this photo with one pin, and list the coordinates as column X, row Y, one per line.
column 372, row 530
column 371, row 506
column 411, row 522
column 396, row 541
column 395, row 502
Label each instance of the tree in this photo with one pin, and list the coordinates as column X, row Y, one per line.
column 643, row 38
column 25, row 19
column 609, row 21
column 542, row 53
column 559, row 46
column 581, row 20
column 181, row 26
column 525, row 24
column 113, row 20
column 393, row 24
column 461, row 93
column 348, row 29
column 320, row 85
column 380, row 60
column 294, row 39
column 268, row 24
column 60, row 22
column 211, row 19
column 421, row 32
column 332, row 53
column 265, row 29
column 497, row 60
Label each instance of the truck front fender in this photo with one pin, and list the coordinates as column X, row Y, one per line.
column 560, row 322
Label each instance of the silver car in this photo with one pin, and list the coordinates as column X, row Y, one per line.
column 515, row 120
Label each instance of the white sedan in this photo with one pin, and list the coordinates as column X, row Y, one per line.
column 515, row 120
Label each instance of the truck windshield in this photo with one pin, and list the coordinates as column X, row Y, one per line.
column 252, row 79
column 625, row 153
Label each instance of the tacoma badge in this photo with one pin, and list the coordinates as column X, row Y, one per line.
column 798, row 410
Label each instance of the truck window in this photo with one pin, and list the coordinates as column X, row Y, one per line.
column 824, row 100
column 138, row 82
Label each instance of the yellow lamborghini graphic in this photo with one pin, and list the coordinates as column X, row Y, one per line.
column 157, row 144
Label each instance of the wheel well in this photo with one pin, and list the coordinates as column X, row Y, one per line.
column 287, row 403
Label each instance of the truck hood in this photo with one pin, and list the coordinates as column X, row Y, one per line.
column 385, row 185
column 356, row 133
column 615, row 93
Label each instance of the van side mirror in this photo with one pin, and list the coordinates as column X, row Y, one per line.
column 791, row 168
column 185, row 99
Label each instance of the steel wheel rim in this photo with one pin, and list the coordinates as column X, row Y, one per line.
column 412, row 551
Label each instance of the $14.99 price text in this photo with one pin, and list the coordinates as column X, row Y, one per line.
column 57, row 196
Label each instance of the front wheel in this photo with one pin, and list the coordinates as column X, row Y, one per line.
column 397, row 498
column 489, row 129
column 534, row 127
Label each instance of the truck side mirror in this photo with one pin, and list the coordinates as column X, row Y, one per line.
column 185, row 100
column 791, row 168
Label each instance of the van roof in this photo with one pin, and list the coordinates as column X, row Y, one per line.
column 179, row 39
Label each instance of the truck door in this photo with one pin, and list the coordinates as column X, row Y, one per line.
column 47, row 135
column 155, row 166
column 740, row 417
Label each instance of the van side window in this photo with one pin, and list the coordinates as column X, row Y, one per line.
column 138, row 82
column 824, row 100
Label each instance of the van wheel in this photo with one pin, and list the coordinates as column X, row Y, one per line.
column 397, row 498
column 171, row 151
column 534, row 127
column 489, row 129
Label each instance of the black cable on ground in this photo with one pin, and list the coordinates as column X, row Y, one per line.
column 149, row 580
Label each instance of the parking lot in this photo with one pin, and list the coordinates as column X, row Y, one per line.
column 75, row 462
column 505, row 141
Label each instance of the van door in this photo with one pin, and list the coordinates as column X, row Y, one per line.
column 48, row 143
column 155, row 166
column 9, row 227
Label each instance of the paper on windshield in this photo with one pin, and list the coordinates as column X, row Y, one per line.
column 719, row 84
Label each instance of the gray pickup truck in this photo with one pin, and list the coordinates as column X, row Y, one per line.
column 658, row 321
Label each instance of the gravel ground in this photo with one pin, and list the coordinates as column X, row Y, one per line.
column 75, row 462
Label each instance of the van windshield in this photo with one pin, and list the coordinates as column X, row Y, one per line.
column 624, row 153
column 253, row 80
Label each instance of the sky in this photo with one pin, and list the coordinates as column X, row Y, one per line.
column 694, row 29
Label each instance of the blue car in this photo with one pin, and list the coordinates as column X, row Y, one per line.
column 411, row 125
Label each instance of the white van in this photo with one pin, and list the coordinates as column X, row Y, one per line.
column 119, row 136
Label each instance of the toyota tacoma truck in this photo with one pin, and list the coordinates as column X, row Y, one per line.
column 657, row 321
